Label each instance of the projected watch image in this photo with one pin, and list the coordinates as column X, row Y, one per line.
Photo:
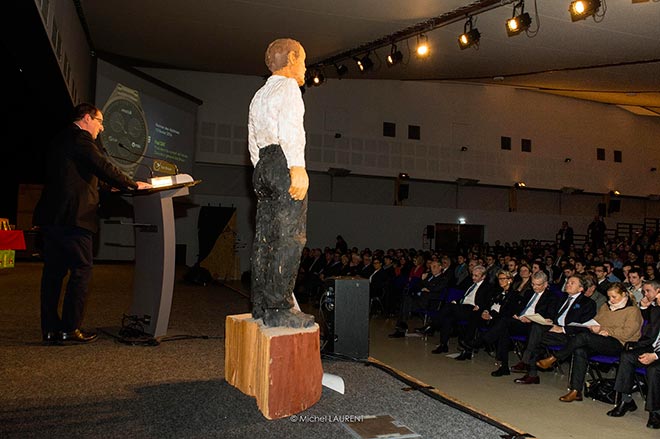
column 125, row 124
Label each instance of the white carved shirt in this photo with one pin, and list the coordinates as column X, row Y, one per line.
column 276, row 117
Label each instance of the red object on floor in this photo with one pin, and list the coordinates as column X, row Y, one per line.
column 12, row 240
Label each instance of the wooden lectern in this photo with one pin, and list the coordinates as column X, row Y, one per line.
column 155, row 245
column 280, row 367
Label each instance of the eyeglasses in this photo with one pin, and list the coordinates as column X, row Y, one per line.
column 100, row 120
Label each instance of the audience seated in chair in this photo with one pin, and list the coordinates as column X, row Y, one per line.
column 576, row 309
column 618, row 322
column 643, row 354
column 513, row 320
column 477, row 298
column 430, row 287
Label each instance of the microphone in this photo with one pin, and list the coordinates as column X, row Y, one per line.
column 99, row 143
column 157, row 162
column 151, row 173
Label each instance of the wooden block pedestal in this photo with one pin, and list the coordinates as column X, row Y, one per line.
column 281, row 367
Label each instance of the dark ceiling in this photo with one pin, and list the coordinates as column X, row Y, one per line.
column 613, row 58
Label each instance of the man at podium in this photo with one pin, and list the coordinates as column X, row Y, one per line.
column 276, row 140
column 67, row 216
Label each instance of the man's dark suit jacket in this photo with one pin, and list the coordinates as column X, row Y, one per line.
column 650, row 330
column 484, row 296
column 548, row 304
column 582, row 310
column 435, row 284
column 71, row 196
column 380, row 282
column 603, row 287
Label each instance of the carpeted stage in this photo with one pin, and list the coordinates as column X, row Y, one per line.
column 109, row 389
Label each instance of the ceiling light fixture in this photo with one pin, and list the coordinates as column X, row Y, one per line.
column 469, row 37
column 581, row 9
column 318, row 79
column 341, row 69
column 518, row 23
column 423, row 49
column 394, row 57
column 314, row 78
column 364, row 64
column 520, row 184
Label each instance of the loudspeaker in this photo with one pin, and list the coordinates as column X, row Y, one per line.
column 430, row 231
column 403, row 191
column 615, row 206
column 345, row 308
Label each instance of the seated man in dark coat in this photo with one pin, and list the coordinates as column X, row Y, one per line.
column 577, row 308
column 430, row 287
column 477, row 298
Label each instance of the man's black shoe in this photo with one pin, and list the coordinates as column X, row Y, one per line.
column 465, row 355
column 79, row 337
column 502, row 371
column 425, row 330
column 441, row 348
column 654, row 421
column 622, row 408
column 52, row 337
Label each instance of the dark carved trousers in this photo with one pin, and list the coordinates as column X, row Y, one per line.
column 280, row 233
column 66, row 249
column 625, row 376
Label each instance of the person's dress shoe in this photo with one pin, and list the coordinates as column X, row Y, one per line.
column 425, row 330
column 397, row 334
column 465, row 355
column 441, row 348
column 622, row 408
column 502, row 371
column 526, row 379
column 571, row 396
column 546, row 363
column 79, row 336
column 654, row 421
column 520, row 367
column 52, row 337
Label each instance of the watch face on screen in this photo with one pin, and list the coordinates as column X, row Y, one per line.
column 124, row 123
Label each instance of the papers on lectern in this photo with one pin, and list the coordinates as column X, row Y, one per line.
column 170, row 180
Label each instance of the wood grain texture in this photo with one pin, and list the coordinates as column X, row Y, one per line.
column 280, row 367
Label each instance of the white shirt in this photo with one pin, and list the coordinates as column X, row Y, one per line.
column 469, row 299
column 571, row 300
column 276, row 118
column 532, row 308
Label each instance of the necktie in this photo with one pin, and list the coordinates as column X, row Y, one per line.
column 467, row 293
column 529, row 304
column 656, row 343
column 564, row 310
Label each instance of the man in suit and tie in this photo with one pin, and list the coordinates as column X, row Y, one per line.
column 538, row 300
column 576, row 308
column 477, row 298
column 430, row 287
column 644, row 354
